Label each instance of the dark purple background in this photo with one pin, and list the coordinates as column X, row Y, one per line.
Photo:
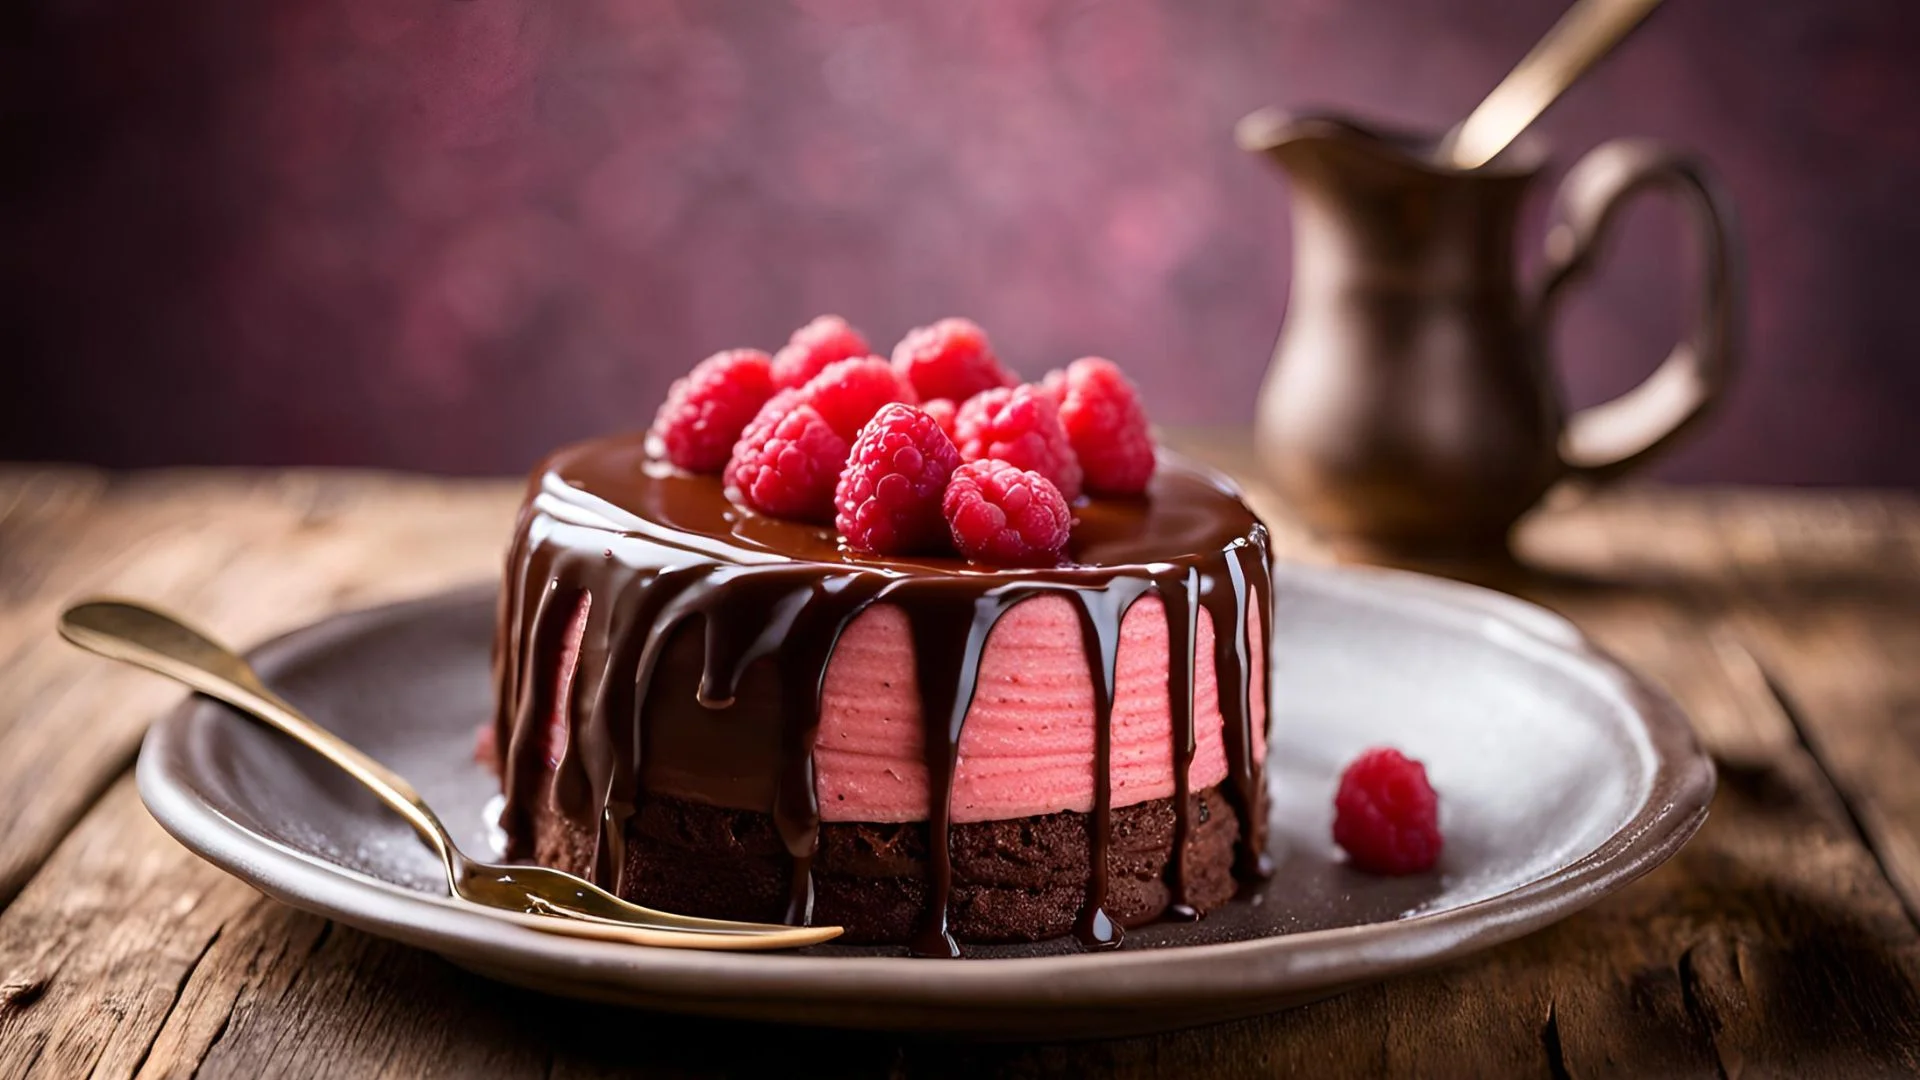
column 449, row 235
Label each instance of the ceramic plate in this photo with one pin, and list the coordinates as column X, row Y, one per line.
column 1562, row 777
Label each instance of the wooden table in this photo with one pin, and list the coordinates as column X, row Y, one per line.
column 1782, row 941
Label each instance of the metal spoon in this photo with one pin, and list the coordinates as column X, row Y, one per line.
column 532, row 896
column 1588, row 31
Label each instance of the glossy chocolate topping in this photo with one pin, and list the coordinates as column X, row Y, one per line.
column 708, row 630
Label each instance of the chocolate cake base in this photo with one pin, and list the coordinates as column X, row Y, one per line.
column 1018, row 880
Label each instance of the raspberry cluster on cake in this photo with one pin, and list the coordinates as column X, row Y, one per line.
column 904, row 646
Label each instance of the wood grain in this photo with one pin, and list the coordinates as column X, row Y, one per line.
column 1782, row 941
column 249, row 556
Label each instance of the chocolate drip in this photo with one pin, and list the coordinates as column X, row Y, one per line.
column 506, row 640
column 1181, row 599
column 1227, row 596
column 704, row 635
column 1101, row 611
column 950, row 633
column 651, row 607
column 534, row 679
column 815, row 617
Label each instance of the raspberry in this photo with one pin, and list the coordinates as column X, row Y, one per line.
column 1386, row 815
column 1054, row 385
column 942, row 410
column 825, row 340
column 707, row 409
column 1020, row 426
column 787, row 460
column 1002, row 515
column 950, row 359
column 848, row 393
column 890, row 494
column 1101, row 413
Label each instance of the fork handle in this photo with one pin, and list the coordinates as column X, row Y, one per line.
column 152, row 639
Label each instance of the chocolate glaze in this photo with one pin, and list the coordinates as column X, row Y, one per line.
column 671, row 578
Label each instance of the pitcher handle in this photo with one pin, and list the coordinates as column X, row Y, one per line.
column 1606, row 440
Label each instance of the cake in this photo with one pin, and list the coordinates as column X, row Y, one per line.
column 721, row 712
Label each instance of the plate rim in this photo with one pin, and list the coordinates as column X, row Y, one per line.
column 1258, row 969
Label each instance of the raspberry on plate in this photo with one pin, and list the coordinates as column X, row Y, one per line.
column 1386, row 815
column 787, row 460
column 888, row 501
column 826, row 340
column 950, row 359
column 1100, row 410
column 706, row 410
column 1002, row 515
column 849, row 392
column 1021, row 426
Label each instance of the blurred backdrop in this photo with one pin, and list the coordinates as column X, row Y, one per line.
column 449, row 234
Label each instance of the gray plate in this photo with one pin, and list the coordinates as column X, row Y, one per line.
column 1561, row 776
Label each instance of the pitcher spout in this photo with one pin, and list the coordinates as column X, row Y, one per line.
column 1296, row 141
column 1293, row 139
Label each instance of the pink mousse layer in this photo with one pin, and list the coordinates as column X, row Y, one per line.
column 1028, row 743
column 1027, row 746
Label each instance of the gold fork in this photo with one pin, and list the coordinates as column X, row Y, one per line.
column 532, row 896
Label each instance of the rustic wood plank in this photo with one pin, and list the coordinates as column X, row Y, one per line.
column 358, row 1006
column 1803, row 960
column 1843, row 662
column 249, row 555
column 96, row 950
column 128, row 956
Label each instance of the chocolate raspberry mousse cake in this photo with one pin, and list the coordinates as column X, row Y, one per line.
column 878, row 671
